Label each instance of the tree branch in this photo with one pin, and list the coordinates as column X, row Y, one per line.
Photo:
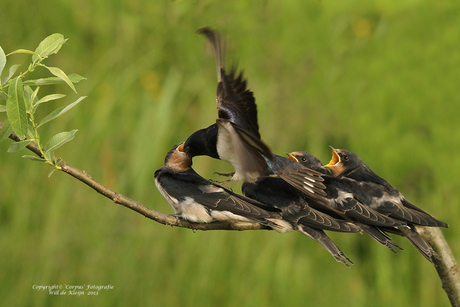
column 137, row 206
column 447, row 266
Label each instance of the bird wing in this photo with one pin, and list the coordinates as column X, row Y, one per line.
column 342, row 197
column 319, row 220
column 304, row 179
column 393, row 204
column 235, row 102
column 188, row 185
column 242, row 150
column 380, row 236
column 320, row 237
column 427, row 218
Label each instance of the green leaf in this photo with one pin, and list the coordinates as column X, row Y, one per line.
column 2, row 60
column 33, row 97
column 75, row 78
column 6, row 130
column 30, row 97
column 22, row 51
column 51, row 173
column 16, row 107
column 60, row 74
column 46, row 99
column 27, row 94
column 32, row 100
column 12, row 70
column 49, row 155
column 18, row 145
column 3, row 96
column 59, row 139
column 30, row 132
column 2, row 108
column 49, row 98
column 34, row 158
column 59, row 112
column 48, row 46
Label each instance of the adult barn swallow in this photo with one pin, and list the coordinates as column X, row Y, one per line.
column 198, row 200
column 235, row 137
column 340, row 202
column 295, row 208
column 384, row 198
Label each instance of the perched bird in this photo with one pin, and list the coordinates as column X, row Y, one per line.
column 198, row 200
column 385, row 198
column 235, row 137
column 294, row 206
column 340, row 202
column 379, row 195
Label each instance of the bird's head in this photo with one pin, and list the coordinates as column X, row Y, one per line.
column 342, row 162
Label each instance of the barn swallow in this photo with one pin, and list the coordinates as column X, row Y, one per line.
column 340, row 202
column 198, row 200
column 235, row 137
column 295, row 208
column 384, row 198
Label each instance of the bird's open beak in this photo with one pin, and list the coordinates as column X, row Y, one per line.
column 335, row 158
column 290, row 156
column 181, row 147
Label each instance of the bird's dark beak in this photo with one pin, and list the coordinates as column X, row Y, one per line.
column 292, row 157
column 181, row 147
column 335, row 158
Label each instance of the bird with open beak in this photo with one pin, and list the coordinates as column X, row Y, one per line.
column 340, row 202
column 379, row 195
column 295, row 207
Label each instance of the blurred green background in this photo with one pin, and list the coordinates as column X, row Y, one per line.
column 377, row 77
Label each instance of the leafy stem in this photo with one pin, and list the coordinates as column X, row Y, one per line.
column 36, row 138
column 22, row 101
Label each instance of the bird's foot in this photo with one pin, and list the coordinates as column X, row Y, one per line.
column 176, row 215
column 225, row 174
column 223, row 183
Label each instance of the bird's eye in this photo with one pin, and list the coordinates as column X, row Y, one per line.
column 303, row 159
column 345, row 157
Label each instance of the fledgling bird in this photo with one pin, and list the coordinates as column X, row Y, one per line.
column 384, row 198
column 235, row 137
column 294, row 206
column 340, row 202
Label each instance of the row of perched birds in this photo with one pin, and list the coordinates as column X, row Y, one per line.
column 285, row 193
